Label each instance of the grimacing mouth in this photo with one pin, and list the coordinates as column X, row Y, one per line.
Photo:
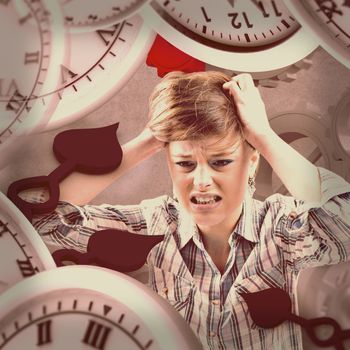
column 205, row 199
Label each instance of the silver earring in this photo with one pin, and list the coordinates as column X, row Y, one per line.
column 251, row 184
column 174, row 196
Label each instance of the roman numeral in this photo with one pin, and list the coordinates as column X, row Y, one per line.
column 3, row 228
column 96, row 335
column 26, row 268
column 277, row 12
column 25, row 18
column 44, row 333
column 261, row 7
column 330, row 8
column 11, row 87
column 107, row 34
column 16, row 102
column 66, row 74
column 31, row 57
column 206, row 17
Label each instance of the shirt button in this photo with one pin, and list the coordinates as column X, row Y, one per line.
column 165, row 290
column 213, row 334
column 292, row 215
column 215, row 302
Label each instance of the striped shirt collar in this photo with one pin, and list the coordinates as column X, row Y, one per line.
column 187, row 229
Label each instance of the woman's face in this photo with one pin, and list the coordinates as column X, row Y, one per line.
column 210, row 178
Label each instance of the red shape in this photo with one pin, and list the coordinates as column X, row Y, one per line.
column 167, row 58
column 114, row 249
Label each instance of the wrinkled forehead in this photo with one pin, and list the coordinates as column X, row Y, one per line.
column 212, row 145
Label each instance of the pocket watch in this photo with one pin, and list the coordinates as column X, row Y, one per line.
column 310, row 135
column 80, row 307
column 89, row 15
column 241, row 35
column 31, row 53
column 23, row 253
column 328, row 21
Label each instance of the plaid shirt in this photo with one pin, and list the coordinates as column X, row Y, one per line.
column 272, row 241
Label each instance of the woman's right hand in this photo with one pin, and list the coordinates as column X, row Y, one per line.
column 153, row 142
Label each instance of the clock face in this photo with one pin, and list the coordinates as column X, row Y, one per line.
column 309, row 135
column 231, row 34
column 22, row 251
column 98, row 64
column 90, row 15
column 78, row 307
column 99, row 322
column 329, row 21
column 30, row 56
column 231, row 25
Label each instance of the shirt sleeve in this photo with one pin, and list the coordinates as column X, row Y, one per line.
column 317, row 233
column 70, row 226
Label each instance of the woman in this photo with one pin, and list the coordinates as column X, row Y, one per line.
column 219, row 241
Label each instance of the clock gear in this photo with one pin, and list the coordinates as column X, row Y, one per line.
column 309, row 134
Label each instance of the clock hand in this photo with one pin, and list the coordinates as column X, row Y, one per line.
column 346, row 334
column 271, row 307
column 76, row 152
column 231, row 2
column 115, row 249
column 346, row 3
column 335, row 339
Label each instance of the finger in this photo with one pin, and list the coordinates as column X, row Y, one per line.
column 232, row 86
column 248, row 81
column 244, row 81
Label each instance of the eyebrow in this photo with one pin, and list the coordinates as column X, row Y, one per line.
column 222, row 154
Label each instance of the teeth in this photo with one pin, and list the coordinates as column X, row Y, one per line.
column 207, row 200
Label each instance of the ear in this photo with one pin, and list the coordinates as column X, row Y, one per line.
column 254, row 162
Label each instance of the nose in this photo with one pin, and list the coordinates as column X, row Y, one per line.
column 202, row 177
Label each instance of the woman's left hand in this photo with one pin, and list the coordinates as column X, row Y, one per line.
column 250, row 108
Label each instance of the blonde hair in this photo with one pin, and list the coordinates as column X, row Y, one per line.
column 192, row 106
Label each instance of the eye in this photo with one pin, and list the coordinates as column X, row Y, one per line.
column 186, row 164
column 221, row 162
